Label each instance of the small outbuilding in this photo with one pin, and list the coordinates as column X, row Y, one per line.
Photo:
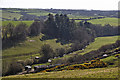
column 49, row 60
column 37, row 57
column 28, row 68
column 105, row 55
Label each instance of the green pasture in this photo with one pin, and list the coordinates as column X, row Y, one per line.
column 104, row 21
column 99, row 42
column 39, row 14
column 71, row 16
column 86, row 73
column 31, row 45
column 4, row 23
column 8, row 15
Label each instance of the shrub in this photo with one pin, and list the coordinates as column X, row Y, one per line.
column 29, row 61
column 48, row 70
column 93, row 61
column 98, row 64
column 116, row 55
column 44, row 71
column 47, row 52
column 14, row 68
column 97, row 59
column 21, row 62
column 87, row 64
column 84, row 67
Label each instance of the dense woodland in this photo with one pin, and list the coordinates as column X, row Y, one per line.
column 64, row 30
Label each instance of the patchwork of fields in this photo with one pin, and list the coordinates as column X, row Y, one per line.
column 8, row 15
column 32, row 45
column 104, row 21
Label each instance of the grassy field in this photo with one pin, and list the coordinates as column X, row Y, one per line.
column 39, row 14
column 99, row 42
column 78, row 17
column 111, row 59
column 28, row 49
column 27, row 46
column 18, row 52
column 86, row 73
column 8, row 15
column 111, row 21
column 4, row 23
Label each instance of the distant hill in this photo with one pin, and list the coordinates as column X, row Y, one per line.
column 31, row 14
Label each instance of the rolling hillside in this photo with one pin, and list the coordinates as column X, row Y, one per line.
column 104, row 21
column 87, row 73
column 18, row 55
column 9, row 15
column 99, row 42
column 4, row 23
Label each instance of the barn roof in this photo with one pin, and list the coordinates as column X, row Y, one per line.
column 28, row 66
column 105, row 55
column 36, row 57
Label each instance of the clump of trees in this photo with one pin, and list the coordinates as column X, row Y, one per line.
column 36, row 28
column 100, row 31
column 64, row 29
column 10, row 32
column 60, row 26
column 14, row 67
column 11, row 68
column 48, row 53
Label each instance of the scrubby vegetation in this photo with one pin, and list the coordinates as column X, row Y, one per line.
column 56, row 39
column 86, row 73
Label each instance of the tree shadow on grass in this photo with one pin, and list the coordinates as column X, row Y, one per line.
column 9, row 43
column 59, row 40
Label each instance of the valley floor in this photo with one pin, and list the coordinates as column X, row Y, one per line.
column 86, row 73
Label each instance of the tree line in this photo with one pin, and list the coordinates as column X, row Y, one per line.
column 60, row 27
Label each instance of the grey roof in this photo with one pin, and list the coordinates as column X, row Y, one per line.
column 40, row 66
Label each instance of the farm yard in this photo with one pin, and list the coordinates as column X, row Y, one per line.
column 49, row 43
